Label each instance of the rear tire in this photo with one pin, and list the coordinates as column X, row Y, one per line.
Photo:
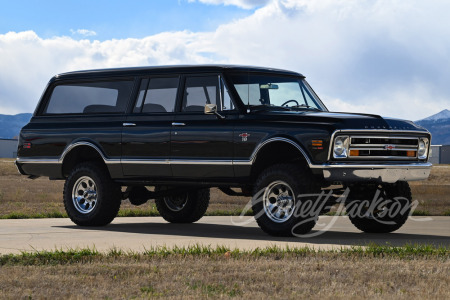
column 384, row 216
column 91, row 198
column 277, row 208
column 187, row 207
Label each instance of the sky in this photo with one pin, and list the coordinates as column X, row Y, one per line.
column 388, row 57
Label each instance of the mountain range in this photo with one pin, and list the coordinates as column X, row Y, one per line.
column 10, row 125
column 438, row 124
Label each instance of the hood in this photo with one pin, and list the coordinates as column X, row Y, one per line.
column 345, row 120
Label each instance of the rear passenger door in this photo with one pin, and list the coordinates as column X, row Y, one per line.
column 201, row 145
column 146, row 132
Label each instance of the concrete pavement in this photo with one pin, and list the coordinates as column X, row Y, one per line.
column 139, row 233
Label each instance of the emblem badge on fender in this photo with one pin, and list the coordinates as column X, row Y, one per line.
column 244, row 136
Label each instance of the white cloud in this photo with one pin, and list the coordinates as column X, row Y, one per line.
column 83, row 32
column 385, row 57
column 245, row 4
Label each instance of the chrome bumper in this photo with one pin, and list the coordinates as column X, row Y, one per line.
column 376, row 173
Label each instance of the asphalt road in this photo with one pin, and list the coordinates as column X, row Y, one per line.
column 141, row 233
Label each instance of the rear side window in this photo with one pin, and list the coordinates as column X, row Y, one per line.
column 157, row 95
column 90, row 97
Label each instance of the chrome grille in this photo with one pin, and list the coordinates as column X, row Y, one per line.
column 381, row 147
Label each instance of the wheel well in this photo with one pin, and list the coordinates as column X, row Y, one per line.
column 274, row 153
column 80, row 154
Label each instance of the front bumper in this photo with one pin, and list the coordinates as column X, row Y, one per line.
column 389, row 173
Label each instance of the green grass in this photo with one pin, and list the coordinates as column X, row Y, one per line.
column 122, row 213
column 19, row 215
column 71, row 256
column 418, row 212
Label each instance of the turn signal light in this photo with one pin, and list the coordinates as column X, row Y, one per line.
column 317, row 144
column 411, row 153
column 354, row 152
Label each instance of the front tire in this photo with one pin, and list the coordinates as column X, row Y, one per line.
column 185, row 207
column 91, row 198
column 278, row 209
column 383, row 214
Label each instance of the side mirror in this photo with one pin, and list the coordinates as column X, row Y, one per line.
column 211, row 109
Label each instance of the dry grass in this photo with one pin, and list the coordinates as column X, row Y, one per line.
column 199, row 278
column 275, row 274
column 22, row 196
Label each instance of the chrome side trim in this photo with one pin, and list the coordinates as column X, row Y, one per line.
column 201, row 162
column 145, row 161
column 71, row 146
column 32, row 160
column 25, row 160
column 277, row 139
column 176, row 162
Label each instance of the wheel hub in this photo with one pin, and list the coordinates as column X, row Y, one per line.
column 279, row 201
column 84, row 195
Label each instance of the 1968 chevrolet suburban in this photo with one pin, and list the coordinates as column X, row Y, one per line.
column 171, row 133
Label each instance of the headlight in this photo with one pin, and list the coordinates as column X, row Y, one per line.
column 422, row 150
column 340, row 148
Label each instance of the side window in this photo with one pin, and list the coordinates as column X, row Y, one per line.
column 225, row 96
column 90, row 97
column 200, row 91
column 157, row 95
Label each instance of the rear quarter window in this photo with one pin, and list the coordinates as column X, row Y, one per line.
column 90, row 97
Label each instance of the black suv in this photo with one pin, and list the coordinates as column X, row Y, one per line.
column 171, row 133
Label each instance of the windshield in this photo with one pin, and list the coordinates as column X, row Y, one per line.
column 275, row 92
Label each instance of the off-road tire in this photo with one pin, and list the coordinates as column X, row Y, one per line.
column 389, row 223
column 195, row 207
column 108, row 197
column 300, row 181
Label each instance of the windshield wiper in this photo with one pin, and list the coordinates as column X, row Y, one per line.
column 305, row 106
column 267, row 107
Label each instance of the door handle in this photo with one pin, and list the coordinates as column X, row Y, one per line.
column 128, row 124
column 178, row 124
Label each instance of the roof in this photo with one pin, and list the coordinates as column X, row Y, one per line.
column 136, row 71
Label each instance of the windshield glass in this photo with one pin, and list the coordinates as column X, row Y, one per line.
column 275, row 91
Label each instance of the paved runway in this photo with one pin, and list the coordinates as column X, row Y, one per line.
column 140, row 233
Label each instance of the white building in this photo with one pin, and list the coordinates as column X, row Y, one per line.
column 8, row 148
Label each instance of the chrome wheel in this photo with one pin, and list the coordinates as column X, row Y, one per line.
column 279, row 201
column 176, row 203
column 84, row 194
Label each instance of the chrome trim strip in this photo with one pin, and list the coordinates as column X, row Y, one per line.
column 201, row 162
column 24, row 160
column 387, row 158
column 277, row 139
column 382, row 148
column 386, row 137
column 145, row 161
column 176, row 162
